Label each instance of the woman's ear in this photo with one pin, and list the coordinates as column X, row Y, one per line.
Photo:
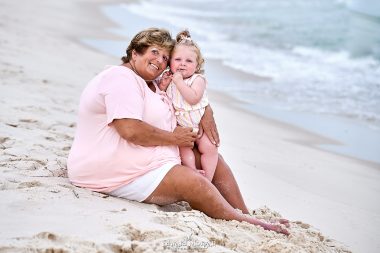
column 134, row 54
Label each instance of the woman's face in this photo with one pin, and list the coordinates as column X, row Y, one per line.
column 152, row 63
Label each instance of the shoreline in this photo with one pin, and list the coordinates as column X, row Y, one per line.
column 42, row 211
column 306, row 137
column 324, row 139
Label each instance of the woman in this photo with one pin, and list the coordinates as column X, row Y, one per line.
column 126, row 142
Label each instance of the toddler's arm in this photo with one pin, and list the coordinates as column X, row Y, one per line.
column 192, row 94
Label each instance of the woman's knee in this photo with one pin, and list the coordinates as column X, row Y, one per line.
column 223, row 171
column 189, row 181
column 222, row 165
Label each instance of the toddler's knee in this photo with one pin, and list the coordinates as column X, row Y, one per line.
column 208, row 147
column 187, row 157
column 188, row 161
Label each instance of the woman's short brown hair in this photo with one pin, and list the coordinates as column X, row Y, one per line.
column 149, row 37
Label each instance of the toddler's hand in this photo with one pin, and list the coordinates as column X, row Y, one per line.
column 177, row 77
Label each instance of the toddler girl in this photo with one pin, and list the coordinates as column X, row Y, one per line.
column 186, row 86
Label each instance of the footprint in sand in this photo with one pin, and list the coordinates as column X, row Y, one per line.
column 176, row 207
column 29, row 123
column 145, row 240
column 24, row 123
column 29, row 184
column 12, row 124
column 49, row 242
column 135, row 234
column 302, row 225
column 22, row 163
column 28, row 120
column 9, row 184
column 46, row 235
column 2, row 142
column 3, row 139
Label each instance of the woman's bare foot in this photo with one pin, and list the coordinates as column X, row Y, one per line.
column 282, row 221
column 270, row 226
column 277, row 228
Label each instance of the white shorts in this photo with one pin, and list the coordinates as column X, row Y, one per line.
column 143, row 186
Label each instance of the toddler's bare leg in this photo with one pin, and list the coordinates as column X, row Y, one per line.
column 209, row 156
column 187, row 157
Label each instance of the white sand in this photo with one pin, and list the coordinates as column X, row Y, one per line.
column 43, row 69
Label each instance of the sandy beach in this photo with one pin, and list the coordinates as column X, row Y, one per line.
column 331, row 200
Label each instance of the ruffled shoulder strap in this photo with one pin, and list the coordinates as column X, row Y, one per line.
column 190, row 80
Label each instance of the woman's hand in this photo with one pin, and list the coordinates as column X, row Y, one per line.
column 141, row 133
column 184, row 136
column 165, row 80
column 209, row 127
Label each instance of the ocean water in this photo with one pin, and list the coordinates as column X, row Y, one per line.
column 319, row 60
column 321, row 56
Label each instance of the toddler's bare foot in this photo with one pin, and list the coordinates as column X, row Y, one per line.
column 202, row 172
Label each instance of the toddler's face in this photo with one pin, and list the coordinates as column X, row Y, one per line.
column 184, row 60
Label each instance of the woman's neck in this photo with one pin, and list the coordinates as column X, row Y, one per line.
column 148, row 82
column 151, row 85
column 128, row 65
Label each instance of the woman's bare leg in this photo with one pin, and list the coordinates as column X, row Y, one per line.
column 181, row 183
column 225, row 182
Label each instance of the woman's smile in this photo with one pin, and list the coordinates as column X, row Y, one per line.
column 155, row 60
column 154, row 66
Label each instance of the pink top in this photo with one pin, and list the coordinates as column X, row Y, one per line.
column 100, row 159
column 188, row 115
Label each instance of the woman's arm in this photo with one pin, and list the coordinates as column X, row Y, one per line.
column 192, row 94
column 143, row 134
column 209, row 126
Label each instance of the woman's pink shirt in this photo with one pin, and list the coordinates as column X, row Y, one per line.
column 100, row 159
